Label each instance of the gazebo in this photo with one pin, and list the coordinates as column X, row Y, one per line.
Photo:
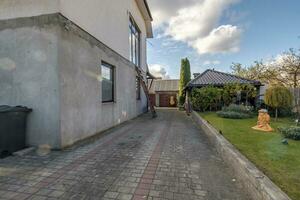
column 211, row 77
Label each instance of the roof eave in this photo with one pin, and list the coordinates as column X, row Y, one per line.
column 150, row 76
column 149, row 29
column 220, row 84
column 144, row 8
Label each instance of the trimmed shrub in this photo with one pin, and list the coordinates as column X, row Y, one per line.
column 292, row 132
column 237, row 108
column 206, row 98
column 233, row 115
column 282, row 112
column 234, row 111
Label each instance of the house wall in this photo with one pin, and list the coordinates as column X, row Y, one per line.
column 82, row 112
column 262, row 91
column 28, row 75
column 50, row 64
column 11, row 9
column 106, row 20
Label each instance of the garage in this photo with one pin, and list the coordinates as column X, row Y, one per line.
column 164, row 93
column 168, row 100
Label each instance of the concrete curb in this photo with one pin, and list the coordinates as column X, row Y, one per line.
column 259, row 186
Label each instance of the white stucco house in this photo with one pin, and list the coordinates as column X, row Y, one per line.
column 73, row 62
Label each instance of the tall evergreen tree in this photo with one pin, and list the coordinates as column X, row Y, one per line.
column 185, row 77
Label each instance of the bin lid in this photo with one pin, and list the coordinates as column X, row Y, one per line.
column 6, row 108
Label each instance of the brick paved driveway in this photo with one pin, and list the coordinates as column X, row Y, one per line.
column 164, row 158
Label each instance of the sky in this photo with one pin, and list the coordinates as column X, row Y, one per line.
column 216, row 33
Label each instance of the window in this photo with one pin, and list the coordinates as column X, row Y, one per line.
column 134, row 42
column 138, row 88
column 107, row 72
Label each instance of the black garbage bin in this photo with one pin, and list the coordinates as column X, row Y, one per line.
column 12, row 128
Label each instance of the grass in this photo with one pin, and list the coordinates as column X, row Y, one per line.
column 279, row 162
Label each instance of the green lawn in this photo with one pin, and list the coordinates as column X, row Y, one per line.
column 279, row 162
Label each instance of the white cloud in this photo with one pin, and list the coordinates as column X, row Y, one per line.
column 211, row 62
column 162, row 10
column 195, row 22
column 159, row 71
column 223, row 39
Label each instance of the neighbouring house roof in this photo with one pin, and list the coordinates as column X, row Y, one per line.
column 168, row 85
column 216, row 78
column 145, row 10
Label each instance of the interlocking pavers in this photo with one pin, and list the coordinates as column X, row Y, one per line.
column 165, row 158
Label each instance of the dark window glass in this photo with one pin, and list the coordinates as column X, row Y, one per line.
column 107, row 72
column 134, row 42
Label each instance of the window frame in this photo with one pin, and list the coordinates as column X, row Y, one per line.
column 136, row 47
column 113, row 76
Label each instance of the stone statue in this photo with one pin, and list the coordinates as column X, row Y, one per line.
column 263, row 123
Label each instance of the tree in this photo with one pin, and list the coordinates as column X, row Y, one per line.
column 278, row 97
column 256, row 71
column 185, row 77
column 288, row 68
column 283, row 70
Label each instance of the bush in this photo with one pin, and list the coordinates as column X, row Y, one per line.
column 233, row 115
column 292, row 132
column 237, row 108
column 234, row 111
column 282, row 112
column 206, row 98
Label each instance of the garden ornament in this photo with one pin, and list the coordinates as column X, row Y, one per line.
column 263, row 123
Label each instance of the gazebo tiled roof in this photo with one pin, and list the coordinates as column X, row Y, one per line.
column 216, row 78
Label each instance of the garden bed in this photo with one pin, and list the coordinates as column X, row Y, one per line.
column 279, row 162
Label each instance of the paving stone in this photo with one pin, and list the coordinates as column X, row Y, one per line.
column 124, row 197
column 111, row 195
column 163, row 158
column 56, row 194
column 37, row 197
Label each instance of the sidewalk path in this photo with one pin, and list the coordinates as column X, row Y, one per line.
column 163, row 158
